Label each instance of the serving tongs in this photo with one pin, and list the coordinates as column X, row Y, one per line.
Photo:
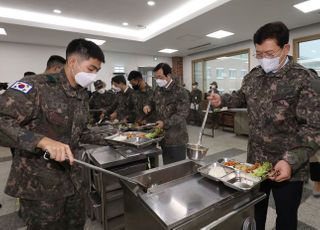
column 46, row 156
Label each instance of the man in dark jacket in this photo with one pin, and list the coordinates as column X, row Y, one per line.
column 171, row 104
column 284, row 121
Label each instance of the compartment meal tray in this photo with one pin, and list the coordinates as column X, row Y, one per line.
column 138, row 142
column 209, row 171
column 230, row 176
column 240, row 180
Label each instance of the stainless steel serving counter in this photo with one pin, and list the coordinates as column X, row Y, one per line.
column 189, row 202
column 105, row 197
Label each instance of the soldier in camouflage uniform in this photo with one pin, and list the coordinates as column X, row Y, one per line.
column 171, row 104
column 141, row 96
column 49, row 112
column 100, row 100
column 122, row 108
column 284, row 121
column 195, row 100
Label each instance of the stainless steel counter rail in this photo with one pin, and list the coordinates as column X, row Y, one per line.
column 231, row 214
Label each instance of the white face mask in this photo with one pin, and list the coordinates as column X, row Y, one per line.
column 161, row 82
column 84, row 79
column 269, row 64
column 116, row 89
column 101, row 91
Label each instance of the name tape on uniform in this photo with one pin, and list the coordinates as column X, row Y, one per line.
column 21, row 86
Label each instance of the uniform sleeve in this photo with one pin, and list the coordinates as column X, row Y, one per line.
column 182, row 111
column 113, row 106
column 308, row 116
column 88, row 137
column 18, row 109
column 237, row 99
column 234, row 100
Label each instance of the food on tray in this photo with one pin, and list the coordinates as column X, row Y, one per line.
column 231, row 163
column 248, row 168
column 134, row 135
column 262, row 170
column 217, row 172
column 156, row 133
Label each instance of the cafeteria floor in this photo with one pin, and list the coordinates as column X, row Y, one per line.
column 224, row 144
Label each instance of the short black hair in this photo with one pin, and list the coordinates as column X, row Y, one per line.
column 119, row 79
column 3, row 85
column 134, row 75
column 165, row 68
column 55, row 60
column 85, row 48
column 98, row 84
column 29, row 73
column 195, row 83
column 273, row 30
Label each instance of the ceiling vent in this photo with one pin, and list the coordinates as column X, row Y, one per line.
column 200, row 46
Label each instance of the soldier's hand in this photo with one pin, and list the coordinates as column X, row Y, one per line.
column 58, row 151
column 113, row 116
column 146, row 109
column 159, row 124
column 284, row 171
column 215, row 99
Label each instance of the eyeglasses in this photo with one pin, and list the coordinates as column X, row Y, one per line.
column 268, row 54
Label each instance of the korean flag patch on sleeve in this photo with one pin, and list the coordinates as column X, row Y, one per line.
column 21, row 86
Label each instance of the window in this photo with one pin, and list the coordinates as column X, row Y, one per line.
column 233, row 74
column 243, row 72
column 226, row 69
column 220, row 73
column 307, row 52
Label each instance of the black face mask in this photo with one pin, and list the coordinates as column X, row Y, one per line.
column 136, row 87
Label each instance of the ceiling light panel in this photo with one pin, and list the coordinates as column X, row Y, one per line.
column 57, row 11
column 167, row 50
column 151, row 3
column 220, row 34
column 3, row 31
column 308, row 6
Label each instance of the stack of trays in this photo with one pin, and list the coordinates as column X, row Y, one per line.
column 231, row 176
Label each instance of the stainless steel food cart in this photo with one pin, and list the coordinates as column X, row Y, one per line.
column 177, row 197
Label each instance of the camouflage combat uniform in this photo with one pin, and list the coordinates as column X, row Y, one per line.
column 284, row 116
column 123, row 106
column 101, row 102
column 139, row 100
column 36, row 107
column 172, row 107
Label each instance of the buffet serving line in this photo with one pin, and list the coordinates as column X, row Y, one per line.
column 129, row 190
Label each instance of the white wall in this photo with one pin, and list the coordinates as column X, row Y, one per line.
column 17, row 58
column 187, row 61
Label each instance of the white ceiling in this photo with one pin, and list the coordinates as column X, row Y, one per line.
column 242, row 17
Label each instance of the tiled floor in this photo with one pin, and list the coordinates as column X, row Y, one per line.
column 224, row 144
